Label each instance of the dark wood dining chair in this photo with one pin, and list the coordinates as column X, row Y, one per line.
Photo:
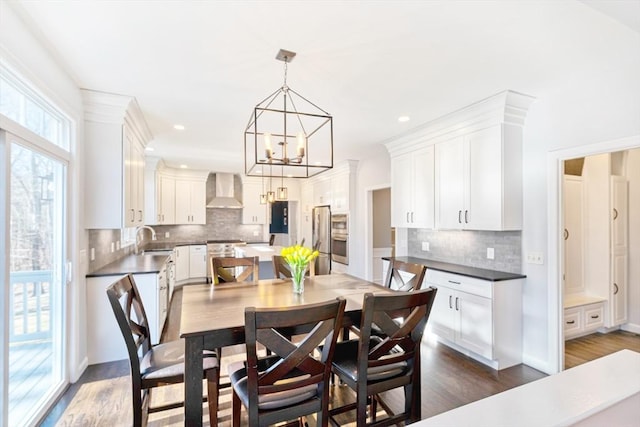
column 413, row 275
column 372, row 364
column 244, row 269
column 154, row 366
column 281, row 268
column 290, row 383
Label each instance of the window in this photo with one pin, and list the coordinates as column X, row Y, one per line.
column 23, row 105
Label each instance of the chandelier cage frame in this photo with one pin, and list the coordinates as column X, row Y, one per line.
column 278, row 118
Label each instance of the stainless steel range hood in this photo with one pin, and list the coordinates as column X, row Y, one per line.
column 224, row 198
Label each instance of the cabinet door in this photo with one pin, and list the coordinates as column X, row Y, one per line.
column 619, row 290
column 340, row 192
column 450, row 162
column 401, row 190
column 573, row 231
column 253, row 212
column 197, row 261
column 484, row 192
column 619, row 209
column 166, row 199
column 441, row 319
column 138, row 182
column 128, row 184
column 183, row 202
column 198, row 201
column 322, row 192
column 422, row 213
column 475, row 323
column 181, row 263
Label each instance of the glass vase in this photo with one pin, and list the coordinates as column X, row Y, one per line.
column 297, row 278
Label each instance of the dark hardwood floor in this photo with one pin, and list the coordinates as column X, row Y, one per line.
column 450, row 379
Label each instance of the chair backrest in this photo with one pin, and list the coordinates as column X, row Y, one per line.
column 281, row 268
column 243, row 269
column 292, row 367
column 402, row 319
column 413, row 275
column 132, row 319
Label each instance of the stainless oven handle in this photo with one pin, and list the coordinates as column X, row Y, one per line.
column 339, row 238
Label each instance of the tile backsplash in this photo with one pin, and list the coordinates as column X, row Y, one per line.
column 469, row 248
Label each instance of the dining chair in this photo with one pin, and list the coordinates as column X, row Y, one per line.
column 291, row 383
column 281, row 268
column 154, row 365
column 404, row 276
column 373, row 364
column 243, row 269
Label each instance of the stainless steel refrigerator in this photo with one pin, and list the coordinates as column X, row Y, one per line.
column 322, row 238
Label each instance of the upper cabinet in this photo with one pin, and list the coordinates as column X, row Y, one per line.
column 412, row 184
column 464, row 170
column 115, row 135
column 336, row 187
column 191, row 195
column 253, row 212
column 479, row 180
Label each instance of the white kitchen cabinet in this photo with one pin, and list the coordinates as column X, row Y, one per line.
column 480, row 318
column 412, row 189
column 115, row 134
column 340, row 192
column 479, row 180
column 322, row 191
column 253, row 212
column 583, row 315
column 573, row 235
column 181, row 261
column 618, row 292
column 160, row 195
column 198, row 262
column 191, row 201
column 105, row 342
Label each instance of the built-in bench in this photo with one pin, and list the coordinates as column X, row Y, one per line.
column 605, row 391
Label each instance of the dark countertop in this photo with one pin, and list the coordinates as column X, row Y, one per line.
column 135, row 264
column 463, row 270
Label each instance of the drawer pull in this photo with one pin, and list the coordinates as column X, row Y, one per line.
column 566, row 234
column 615, row 213
column 595, row 317
column 571, row 322
column 615, row 287
column 454, row 282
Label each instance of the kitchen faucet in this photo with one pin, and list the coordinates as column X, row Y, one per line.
column 142, row 227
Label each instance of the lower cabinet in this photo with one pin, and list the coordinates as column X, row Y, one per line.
column 583, row 319
column 190, row 263
column 480, row 318
column 104, row 339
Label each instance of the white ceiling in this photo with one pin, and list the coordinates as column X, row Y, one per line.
column 205, row 64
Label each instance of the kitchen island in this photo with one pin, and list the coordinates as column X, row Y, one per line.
column 264, row 254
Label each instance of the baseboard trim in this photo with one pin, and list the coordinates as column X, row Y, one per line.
column 535, row 363
column 75, row 375
column 631, row 327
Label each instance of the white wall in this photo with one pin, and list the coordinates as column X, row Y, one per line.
column 26, row 54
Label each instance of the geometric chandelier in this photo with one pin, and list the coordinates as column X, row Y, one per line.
column 288, row 135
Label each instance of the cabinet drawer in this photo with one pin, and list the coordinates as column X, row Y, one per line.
column 593, row 316
column 470, row 285
column 572, row 321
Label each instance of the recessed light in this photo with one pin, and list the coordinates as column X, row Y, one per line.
column 178, row 127
column 403, row 119
column 183, row 166
column 149, row 149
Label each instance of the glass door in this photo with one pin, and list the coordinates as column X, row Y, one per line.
column 34, row 311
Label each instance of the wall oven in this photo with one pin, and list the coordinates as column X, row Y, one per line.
column 340, row 238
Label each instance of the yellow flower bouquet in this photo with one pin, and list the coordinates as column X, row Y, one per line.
column 298, row 258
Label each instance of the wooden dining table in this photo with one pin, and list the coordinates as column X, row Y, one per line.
column 212, row 317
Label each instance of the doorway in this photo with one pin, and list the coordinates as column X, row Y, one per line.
column 380, row 238
column 557, row 234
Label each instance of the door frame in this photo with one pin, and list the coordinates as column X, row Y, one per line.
column 555, row 247
column 368, row 227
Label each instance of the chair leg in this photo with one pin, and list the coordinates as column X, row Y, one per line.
column 213, row 381
column 374, row 408
column 236, row 407
column 361, row 409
